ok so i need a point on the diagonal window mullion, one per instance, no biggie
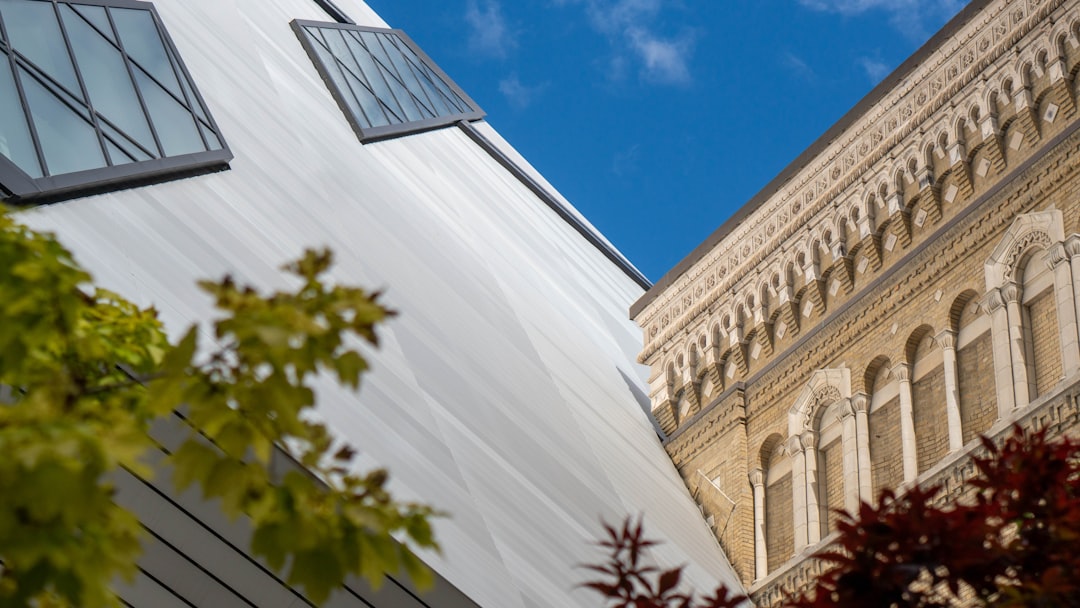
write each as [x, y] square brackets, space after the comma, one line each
[82, 85]
[39, 152]
[105, 120]
[401, 116]
[135, 85]
[422, 77]
[430, 107]
[186, 102]
[390, 75]
[343, 55]
[342, 69]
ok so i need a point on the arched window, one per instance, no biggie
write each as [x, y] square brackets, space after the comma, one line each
[974, 364]
[779, 517]
[928, 398]
[886, 451]
[1042, 341]
[830, 468]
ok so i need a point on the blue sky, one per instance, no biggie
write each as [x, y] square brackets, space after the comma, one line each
[659, 118]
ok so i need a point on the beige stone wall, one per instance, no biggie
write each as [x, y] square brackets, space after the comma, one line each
[832, 457]
[778, 529]
[931, 422]
[1045, 340]
[880, 289]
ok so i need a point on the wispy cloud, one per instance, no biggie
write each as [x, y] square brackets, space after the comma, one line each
[912, 18]
[630, 26]
[488, 33]
[519, 95]
[875, 69]
[798, 66]
[625, 162]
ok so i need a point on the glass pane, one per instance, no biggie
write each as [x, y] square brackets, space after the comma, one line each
[413, 62]
[174, 124]
[331, 68]
[195, 105]
[408, 78]
[142, 43]
[124, 142]
[392, 77]
[211, 138]
[401, 111]
[116, 155]
[372, 108]
[69, 143]
[95, 15]
[449, 96]
[107, 82]
[15, 141]
[35, 34]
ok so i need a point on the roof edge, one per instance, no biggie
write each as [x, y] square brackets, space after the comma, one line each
[820, 144]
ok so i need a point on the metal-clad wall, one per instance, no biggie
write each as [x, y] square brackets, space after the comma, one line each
[506, 393]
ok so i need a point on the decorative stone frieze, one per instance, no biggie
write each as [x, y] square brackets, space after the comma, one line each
[977, 65]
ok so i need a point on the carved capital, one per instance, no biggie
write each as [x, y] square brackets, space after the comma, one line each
[809, 440]
[1010, 292]
[1072, 245]
[947, 339]
[902, 371]
[993, 301]
[847, 409]
[757, 478]
[1057, 255]
[794, 445]
[860, 403]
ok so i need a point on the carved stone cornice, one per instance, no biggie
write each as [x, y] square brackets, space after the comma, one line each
[934, 93]
[915, 276]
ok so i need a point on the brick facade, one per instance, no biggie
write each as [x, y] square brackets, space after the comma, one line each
[884, 283]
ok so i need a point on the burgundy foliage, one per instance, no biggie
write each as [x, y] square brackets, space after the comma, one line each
[1015, 542]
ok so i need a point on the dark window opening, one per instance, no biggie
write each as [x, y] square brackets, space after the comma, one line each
[382, 81]
[93, 94]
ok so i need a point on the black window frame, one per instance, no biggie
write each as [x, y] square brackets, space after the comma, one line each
[371, 134]
[17, 187]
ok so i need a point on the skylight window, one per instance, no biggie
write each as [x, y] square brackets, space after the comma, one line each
[383, 82]
[93, 94]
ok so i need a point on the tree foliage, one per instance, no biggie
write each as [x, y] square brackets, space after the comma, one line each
[83, 375]
[1015, 542]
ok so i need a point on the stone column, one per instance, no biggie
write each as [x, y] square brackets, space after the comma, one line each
[1065, 298]
[1010, 292]
[947, 340]
[999, 335]
[1072, 249]
[861, 404]
[761, 556]
[850, 447]
[813, 505]
[908, 446]
[798, 491]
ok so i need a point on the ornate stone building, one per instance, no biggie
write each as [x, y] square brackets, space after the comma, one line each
[909, 282]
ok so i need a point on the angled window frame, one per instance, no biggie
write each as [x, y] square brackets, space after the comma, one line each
[377, 133]
[18, 187]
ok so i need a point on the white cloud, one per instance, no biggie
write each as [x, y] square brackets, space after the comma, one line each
[489, 34]
[875, 70]
[629, 27]
[663, 61]
[798, 66]
[517, 94]
[911, 17]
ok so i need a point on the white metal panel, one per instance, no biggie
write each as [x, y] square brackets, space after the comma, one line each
[506, 393]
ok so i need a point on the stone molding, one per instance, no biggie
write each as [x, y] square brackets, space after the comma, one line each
[925, 105]
[942, 251]
[1059, 411]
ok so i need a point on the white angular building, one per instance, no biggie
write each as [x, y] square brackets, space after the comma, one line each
[174, 141]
